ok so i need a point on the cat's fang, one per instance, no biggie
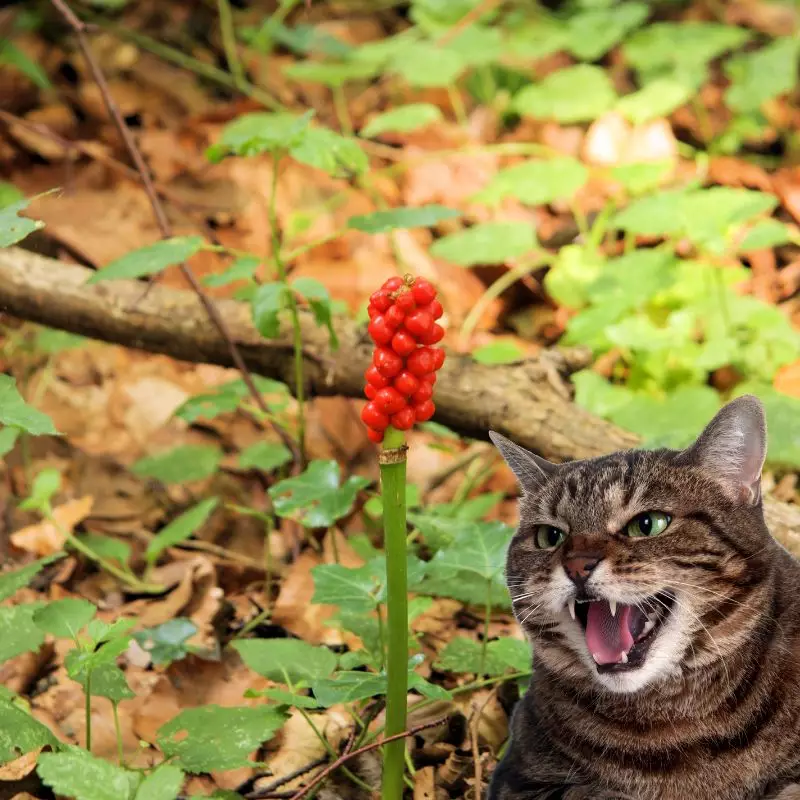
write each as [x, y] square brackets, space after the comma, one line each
[571, 605]
[648, 626]
[623, 658]
[612, 604]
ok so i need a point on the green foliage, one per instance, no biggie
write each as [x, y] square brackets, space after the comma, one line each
[230, 396]
[536, 182]
[18, 632]
[106, 547]
[267, 303]
[417, 217]
[15, 412]
[65, 618]
[13, 580]
[151, 259]
[180, 529]
[167, 642]
[462, 655]
[265, 456]
[319, 299]
[14, 228]
[77, 774]
[13, 55]
[242, 269]
[163, 783]
[402, 119]
[760, 75]
[486, 243]
[502, 352]
[20, 733]
[286, 660]
[191, 462]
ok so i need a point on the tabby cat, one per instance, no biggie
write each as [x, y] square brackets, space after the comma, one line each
[665, 623]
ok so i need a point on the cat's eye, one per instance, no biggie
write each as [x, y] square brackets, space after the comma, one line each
[548, 537]
[651, 523]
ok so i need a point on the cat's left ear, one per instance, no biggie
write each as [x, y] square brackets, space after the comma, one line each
[532, 471]
[733, 447]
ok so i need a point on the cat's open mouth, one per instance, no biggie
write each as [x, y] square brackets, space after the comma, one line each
[618, 636]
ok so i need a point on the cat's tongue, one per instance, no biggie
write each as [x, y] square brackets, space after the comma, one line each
[609, 638]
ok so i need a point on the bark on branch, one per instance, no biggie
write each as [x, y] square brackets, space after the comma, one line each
[529, 402]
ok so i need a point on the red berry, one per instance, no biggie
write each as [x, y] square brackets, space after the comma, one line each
[421, 361]
[429, 378]
[403, 343]
[375, 436]
[405, 300]
[393, 284]
[425, 392]
[394, 317]
[435, 309]
[387, 362]
[424, 411]
[373, 376]
[372, 311]
[438, 356]
[406, 383]
[379, 330]
[404, 420]
[373, 417]
[423, 292]
[433, 336]
[420, 323]
[389, 400]
[381, 300]
[370, 391]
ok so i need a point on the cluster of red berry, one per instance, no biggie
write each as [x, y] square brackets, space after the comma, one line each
[403, 314]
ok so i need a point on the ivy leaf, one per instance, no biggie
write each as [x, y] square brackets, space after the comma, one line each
[14, 228]
[20, 733]
[65, 618]
[316, 494]
[286, 660]
[150, 259]
[216, 738]
[402, 119]
[242, 269]
[396, 218]
[319, 299]
[576, 94]
[77, 774]
[758, 76]
[486, 243]
[18, 632]
[659, 98]
[13, 580]
[190, 462]
[167, 642]
[163, 783]
[180, 529]
[268, 301]
[14, 411]
[424, 65]
[536, 182]
[265, 456]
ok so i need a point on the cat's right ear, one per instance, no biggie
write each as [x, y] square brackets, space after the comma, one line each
[532, 471]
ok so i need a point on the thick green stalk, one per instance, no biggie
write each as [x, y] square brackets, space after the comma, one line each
[393, 488]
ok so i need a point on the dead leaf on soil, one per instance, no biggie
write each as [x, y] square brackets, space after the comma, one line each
[45, 537]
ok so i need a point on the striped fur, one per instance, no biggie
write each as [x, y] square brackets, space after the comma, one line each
[713, 713]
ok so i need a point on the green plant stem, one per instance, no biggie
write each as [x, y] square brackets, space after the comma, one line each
[381, 636]
[87, 690]
[342, 112]
[228, 33]
[393, 488]
[486, 620]
[297, 334]
[458, 105]
[118, 733]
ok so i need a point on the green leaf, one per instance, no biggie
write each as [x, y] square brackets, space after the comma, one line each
[575, 270]
[243, 269]
[229, 397]
[18, 632]
[190, 462]
[14, 228]
[268, 301]
[285, 698]
[261, 132]
[163, 783]
[462, 655]
[150, 259]
[20, 733]
[8, 438]
[167, 642]
[180, 529]
[467, 587]
[216, 738]
[13, 580]
[430, 690]
[483, 553]
[408, 217]
[79, 775]
[317, 495]
[65, 618]
[340, 156]
[536, 182]
[499, 352]
[265, 456]
[330, 74]
[11, 54]
[659, 98]
[642, 178]
[9, 194]
[319, 299]
[486, 243]
[764, 234]
[107, 679]
[761, 75]
[655, 215]
[45, 485]
[592, 33]
[515, 653]
[51, 341]
[14, 411]
[348, 687]
[574, 94]
[402, 119]
[424, 65]
[286, 660]
[478, 45]
[108, 548]
[99, 631]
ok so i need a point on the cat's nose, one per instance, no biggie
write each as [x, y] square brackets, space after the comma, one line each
[579, 567]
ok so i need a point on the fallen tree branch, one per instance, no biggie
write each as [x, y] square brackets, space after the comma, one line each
[528, 402]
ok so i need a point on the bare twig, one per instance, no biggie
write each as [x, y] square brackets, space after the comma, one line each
[79, 28]
[270, 789]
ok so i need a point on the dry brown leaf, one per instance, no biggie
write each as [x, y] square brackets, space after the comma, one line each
[45, 537]
[20, 767]
[787, 379]
[425, 784]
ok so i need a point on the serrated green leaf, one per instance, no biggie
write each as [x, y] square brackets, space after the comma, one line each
[348, 687]
[483, 552]
[408, 217]
[13, 580]
[20, 733]
[65, 618]
[261, 132]
[514, 653]
[14, 228]
[242, 269]
[163, 783]
[659, 98]
[575, 94]
[217, 738]
[99, 631]
[499, 352]
[354, 588]
[331, 73]
[265, 456]
[79, 775]
[593, 32]
[315, 496]
[167, 642]
[340, 156]
[761, 75]
[105, 679]
[486, 243]
[150, 259]
[655, 215]
[536, 182]
[764, 234]
[462, 655]
[190, 462]
[319, 299]
[286, 660]
[18, 632]
[106, 547]
[14, 411]
[267, 303]
[180, 529]
[402, 119]
[424, 65]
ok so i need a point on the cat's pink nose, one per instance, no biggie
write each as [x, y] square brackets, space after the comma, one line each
[579, 567]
